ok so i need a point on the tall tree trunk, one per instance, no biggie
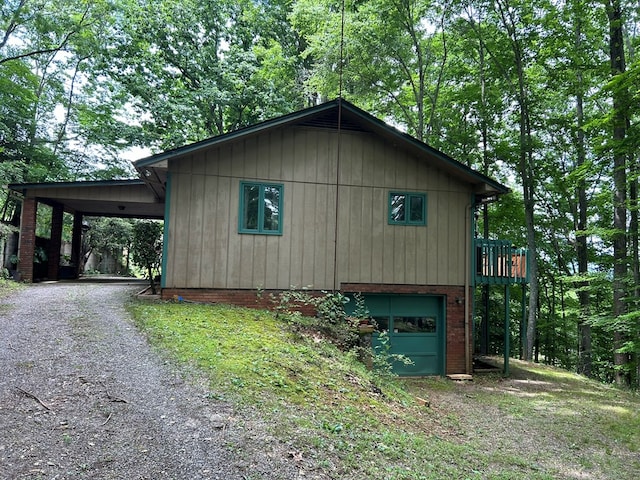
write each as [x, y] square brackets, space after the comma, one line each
[582, 252]
[635, 258]
[525, 166]
[616, 54]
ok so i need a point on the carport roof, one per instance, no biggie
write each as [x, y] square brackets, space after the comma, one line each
[109, 198]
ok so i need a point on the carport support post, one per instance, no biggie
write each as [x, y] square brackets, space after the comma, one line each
[55, 243]
[76, 243]
[27, 242]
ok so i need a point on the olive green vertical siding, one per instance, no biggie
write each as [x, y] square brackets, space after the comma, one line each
[206, 250]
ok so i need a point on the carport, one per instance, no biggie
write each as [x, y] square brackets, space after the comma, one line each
[136, 198]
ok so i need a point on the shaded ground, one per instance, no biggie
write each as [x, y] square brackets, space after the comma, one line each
[542, 419]
[82, 395]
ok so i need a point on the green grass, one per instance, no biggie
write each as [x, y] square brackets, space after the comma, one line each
[543, 423]
[9, 286]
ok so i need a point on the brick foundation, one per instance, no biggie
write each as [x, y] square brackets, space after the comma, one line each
[454, 298]
[242, 297]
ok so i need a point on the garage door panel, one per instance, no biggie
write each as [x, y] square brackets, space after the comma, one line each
[423, 364]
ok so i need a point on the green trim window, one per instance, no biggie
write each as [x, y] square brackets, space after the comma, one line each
[260, 208]
[407, 208]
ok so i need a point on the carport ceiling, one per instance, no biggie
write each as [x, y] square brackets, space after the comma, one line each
[113, 198]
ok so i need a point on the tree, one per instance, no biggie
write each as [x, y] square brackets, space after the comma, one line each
[194, 69]
[619, 121]
[110, 236]
[44, 83]
[384, 57]
[147, 248]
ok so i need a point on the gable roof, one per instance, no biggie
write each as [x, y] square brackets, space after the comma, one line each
[337, 114]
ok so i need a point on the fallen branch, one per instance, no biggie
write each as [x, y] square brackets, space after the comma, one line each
[31, 395]
[108, 418]
[113, 398]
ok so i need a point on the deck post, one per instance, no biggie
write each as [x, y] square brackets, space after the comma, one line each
[523, 322]
[507, 330]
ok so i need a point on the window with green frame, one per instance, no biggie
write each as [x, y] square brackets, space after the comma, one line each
[260, 208]
[407, 208]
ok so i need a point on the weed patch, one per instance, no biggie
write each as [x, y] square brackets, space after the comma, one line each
[9, 286]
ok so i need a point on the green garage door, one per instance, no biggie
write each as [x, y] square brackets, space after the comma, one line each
[415, 324]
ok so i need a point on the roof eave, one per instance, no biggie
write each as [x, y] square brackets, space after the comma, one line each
[19, 187]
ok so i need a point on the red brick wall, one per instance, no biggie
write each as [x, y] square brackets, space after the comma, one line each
[454, 295]
[242, 297]
[27, 242]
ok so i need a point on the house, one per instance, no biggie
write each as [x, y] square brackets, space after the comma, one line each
[328, 198]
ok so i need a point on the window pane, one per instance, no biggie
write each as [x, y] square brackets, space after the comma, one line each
[416, 213]
[397, 207]
[414, 325]
[251, 197]
[271, 208]
[382, 323]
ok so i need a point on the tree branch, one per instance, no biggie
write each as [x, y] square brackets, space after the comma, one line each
[13, 24]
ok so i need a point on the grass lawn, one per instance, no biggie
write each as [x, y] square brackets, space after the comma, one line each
[541, 423]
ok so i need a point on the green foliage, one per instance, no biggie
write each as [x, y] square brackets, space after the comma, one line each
[8, 286]
[212, 66]
[146, 248]
[342, 329]
[331, 317]
[383, 359]
[111, 236]
[6, 230]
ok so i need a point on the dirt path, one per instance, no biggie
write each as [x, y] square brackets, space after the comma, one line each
[82, 395]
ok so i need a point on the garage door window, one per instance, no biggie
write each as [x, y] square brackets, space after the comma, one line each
[406, 324]
[414, 325]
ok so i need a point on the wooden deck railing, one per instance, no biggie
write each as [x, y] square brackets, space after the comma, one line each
[497, 262]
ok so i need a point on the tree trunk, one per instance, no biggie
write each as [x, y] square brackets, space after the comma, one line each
[526, 173]
[634, 234]
[616, 52]
[582, 251]
[152, 280]
[525, 167]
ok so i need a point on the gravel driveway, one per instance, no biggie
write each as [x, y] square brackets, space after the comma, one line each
[82, 395]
